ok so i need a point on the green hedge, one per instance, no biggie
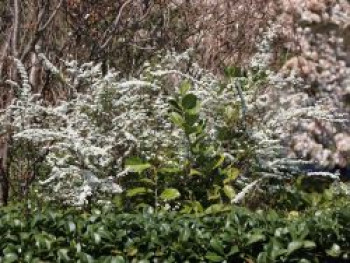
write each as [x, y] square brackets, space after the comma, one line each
[238, 236]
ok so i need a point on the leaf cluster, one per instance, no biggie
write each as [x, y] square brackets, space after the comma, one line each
[199, 179]
[240, 235]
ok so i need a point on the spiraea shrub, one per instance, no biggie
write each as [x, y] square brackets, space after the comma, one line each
[175, 135]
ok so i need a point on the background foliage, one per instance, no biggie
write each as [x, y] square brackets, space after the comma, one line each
[143, 125]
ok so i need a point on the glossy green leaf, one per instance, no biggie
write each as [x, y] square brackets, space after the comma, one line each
[334, 251]
[219, 161]
[189, 101]
[170, 194]
[117, 259]
[213, 257]
[170, 170]
[234, 250]
[132, 251]
[214, 194]
[194, 172]
[294, 245]
[138, 168]
[147, 181]
[255, 238]
[175, 105]
[229, 191]
[309, 244]
[185, 87]
[10, 257]
[137, 191]
[217, 245]
[177, 119]
[191, 119]
[232, 174]
[216, 208]
[97, 238]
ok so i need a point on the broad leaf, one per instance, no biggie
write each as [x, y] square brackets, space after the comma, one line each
[177, 119]
[218, 162]
[137, 191]
[217, 245]
[170, 170]
[189, 101]
[137, 165]
[232, 174]
[229, 191]
[255, 238]
[213, 257]
[334, 251]
[309, 244]
[293, 246]
[10, 257]
[170, 194]
[194, 172]
[185, 87]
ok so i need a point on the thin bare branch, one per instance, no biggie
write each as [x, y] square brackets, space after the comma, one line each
[16, 10]
[4, 52]
[114, 26]
[39, 30]
[52, 16]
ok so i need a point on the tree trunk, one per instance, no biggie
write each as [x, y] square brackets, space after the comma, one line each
[4, 182]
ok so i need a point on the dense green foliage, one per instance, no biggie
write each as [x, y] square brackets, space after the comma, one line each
[199, 178]
[240, 235]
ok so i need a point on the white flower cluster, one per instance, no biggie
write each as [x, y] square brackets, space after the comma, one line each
[108, 119]
[91, 134]
[264, 55]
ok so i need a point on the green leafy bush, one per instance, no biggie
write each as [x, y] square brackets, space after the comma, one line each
[240, 235]
[196, 179]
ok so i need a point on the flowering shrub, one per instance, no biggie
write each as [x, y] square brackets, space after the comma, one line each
[104, 121]
[216, 130]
